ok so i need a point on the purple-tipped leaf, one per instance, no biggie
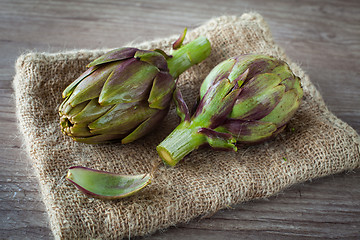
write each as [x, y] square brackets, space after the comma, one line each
[218, 101]
[285, 109]
[146, 126]
[219, 140]
[181, 107]
[225, 108]
[177, 44]
[259, 97]
[90, 87]
[72, 86]
[114, 55]
[162, 52]
[153, 58]
[130, 83]
[91, 112]
[218, 73]
[161, 91]
[249, 131]
[106, 185]
[122, 118]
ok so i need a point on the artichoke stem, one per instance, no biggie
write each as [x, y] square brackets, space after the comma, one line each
[184, 139]
[188, 55]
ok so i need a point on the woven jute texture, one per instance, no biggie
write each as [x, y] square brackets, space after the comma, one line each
[314, 144]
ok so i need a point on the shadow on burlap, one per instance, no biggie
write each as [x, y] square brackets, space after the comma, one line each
[314, 144]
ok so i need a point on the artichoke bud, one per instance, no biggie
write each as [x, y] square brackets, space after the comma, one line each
[248, 97]
[125, 93]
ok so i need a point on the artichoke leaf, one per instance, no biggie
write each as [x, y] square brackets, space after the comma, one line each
[91, 112]
[114, 55]
[219, 140]
[121, 118]
[259, 105]
[161, 91]
[69, 89]
[219, 72]
[145, 126]
[285, 109]
[90, 87]
[177, 44]
[106, 185]
[248, 131]
[130, 83]
[182, 109]
[153, 58]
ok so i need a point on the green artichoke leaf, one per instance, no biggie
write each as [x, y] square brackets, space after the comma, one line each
[248, 131]
[76, 110]
[122, 118]
[294, 83]
[153, 58]
[178, 43]
[90, 87]
[65, 107]
[284, 72]
[285, 109]
[258, 106]
[219, 140]
[238, 74]
[106, 185]
[114, 56]
[259, 96]
[257, 63]
[261, 83]
[219, 72]
[289, 79]
[161, 91]
[92, 111]
[145, 126]
[213, 101]
[130, 83]
[182, 109]
[80, 130]
[225, 107]
[162, 52]
[69, 89]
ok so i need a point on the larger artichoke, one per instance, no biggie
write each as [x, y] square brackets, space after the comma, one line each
[245, 99]
[125, 92]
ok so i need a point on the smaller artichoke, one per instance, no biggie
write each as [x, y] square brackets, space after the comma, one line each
[246, 99]
[125, 93]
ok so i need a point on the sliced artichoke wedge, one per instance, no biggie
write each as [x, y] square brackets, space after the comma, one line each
[106, 185]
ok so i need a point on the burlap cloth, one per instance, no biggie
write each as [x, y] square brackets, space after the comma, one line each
[315, 144]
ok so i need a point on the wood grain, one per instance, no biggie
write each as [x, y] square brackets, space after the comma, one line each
[322, 36]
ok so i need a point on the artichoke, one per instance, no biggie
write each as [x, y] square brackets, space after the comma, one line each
[126, 92]
[244, 100]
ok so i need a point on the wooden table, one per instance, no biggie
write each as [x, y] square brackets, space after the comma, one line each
[323, 36]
